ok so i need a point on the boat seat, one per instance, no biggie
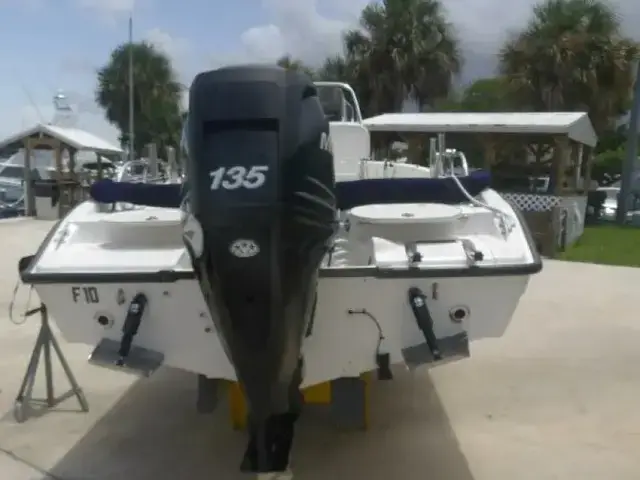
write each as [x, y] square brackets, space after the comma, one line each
[147, 217]
[406, 222]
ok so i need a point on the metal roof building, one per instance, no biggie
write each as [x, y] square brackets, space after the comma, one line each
[69, 137]
[575, 125]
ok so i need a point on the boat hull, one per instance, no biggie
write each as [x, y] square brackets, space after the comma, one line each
[342, 342]
[114, 256]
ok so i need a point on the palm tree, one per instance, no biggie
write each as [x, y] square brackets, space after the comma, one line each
[156, 101]
[290, 63]
[336, 69]
[402, 48]
[572, 56]
[339, 68]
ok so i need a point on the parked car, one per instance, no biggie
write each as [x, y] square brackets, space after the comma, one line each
[610, 204]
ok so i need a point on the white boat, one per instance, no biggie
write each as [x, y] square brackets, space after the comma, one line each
[139, 171]
[12, 182]
[396, 281]
[12, 173]
[43, 164]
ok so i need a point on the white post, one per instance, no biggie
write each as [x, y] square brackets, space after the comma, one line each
[442, 151]
[172, 166]
[153, 161]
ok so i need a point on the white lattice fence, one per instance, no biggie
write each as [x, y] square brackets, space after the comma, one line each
[531, 202]
[572, 215]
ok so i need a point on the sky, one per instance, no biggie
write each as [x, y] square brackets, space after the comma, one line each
[51, 45]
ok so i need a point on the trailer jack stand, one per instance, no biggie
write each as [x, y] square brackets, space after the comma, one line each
[24, 403]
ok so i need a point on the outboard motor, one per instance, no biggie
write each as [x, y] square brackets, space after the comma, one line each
[260, 186]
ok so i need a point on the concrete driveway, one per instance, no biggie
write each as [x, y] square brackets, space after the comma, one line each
[557, 398]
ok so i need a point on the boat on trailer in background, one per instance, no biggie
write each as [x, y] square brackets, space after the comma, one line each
[408, 264]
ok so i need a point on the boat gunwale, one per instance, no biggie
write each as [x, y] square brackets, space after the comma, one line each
[28, 276]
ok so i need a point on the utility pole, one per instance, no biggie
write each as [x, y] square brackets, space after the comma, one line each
[132, 154]
[631, 158]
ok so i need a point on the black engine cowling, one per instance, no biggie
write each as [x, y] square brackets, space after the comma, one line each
[260, 183]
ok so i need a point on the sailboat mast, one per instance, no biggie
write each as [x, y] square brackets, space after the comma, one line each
[132, 154]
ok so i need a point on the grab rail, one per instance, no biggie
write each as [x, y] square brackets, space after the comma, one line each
[438, 154]
[442, 160]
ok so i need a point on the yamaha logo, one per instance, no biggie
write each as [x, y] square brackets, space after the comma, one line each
[243, 248]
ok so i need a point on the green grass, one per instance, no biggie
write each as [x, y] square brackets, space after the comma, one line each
[607, 245]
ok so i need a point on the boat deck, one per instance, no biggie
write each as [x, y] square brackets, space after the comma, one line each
[556, 398]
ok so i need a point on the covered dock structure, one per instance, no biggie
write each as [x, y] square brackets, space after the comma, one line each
[58, 139]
